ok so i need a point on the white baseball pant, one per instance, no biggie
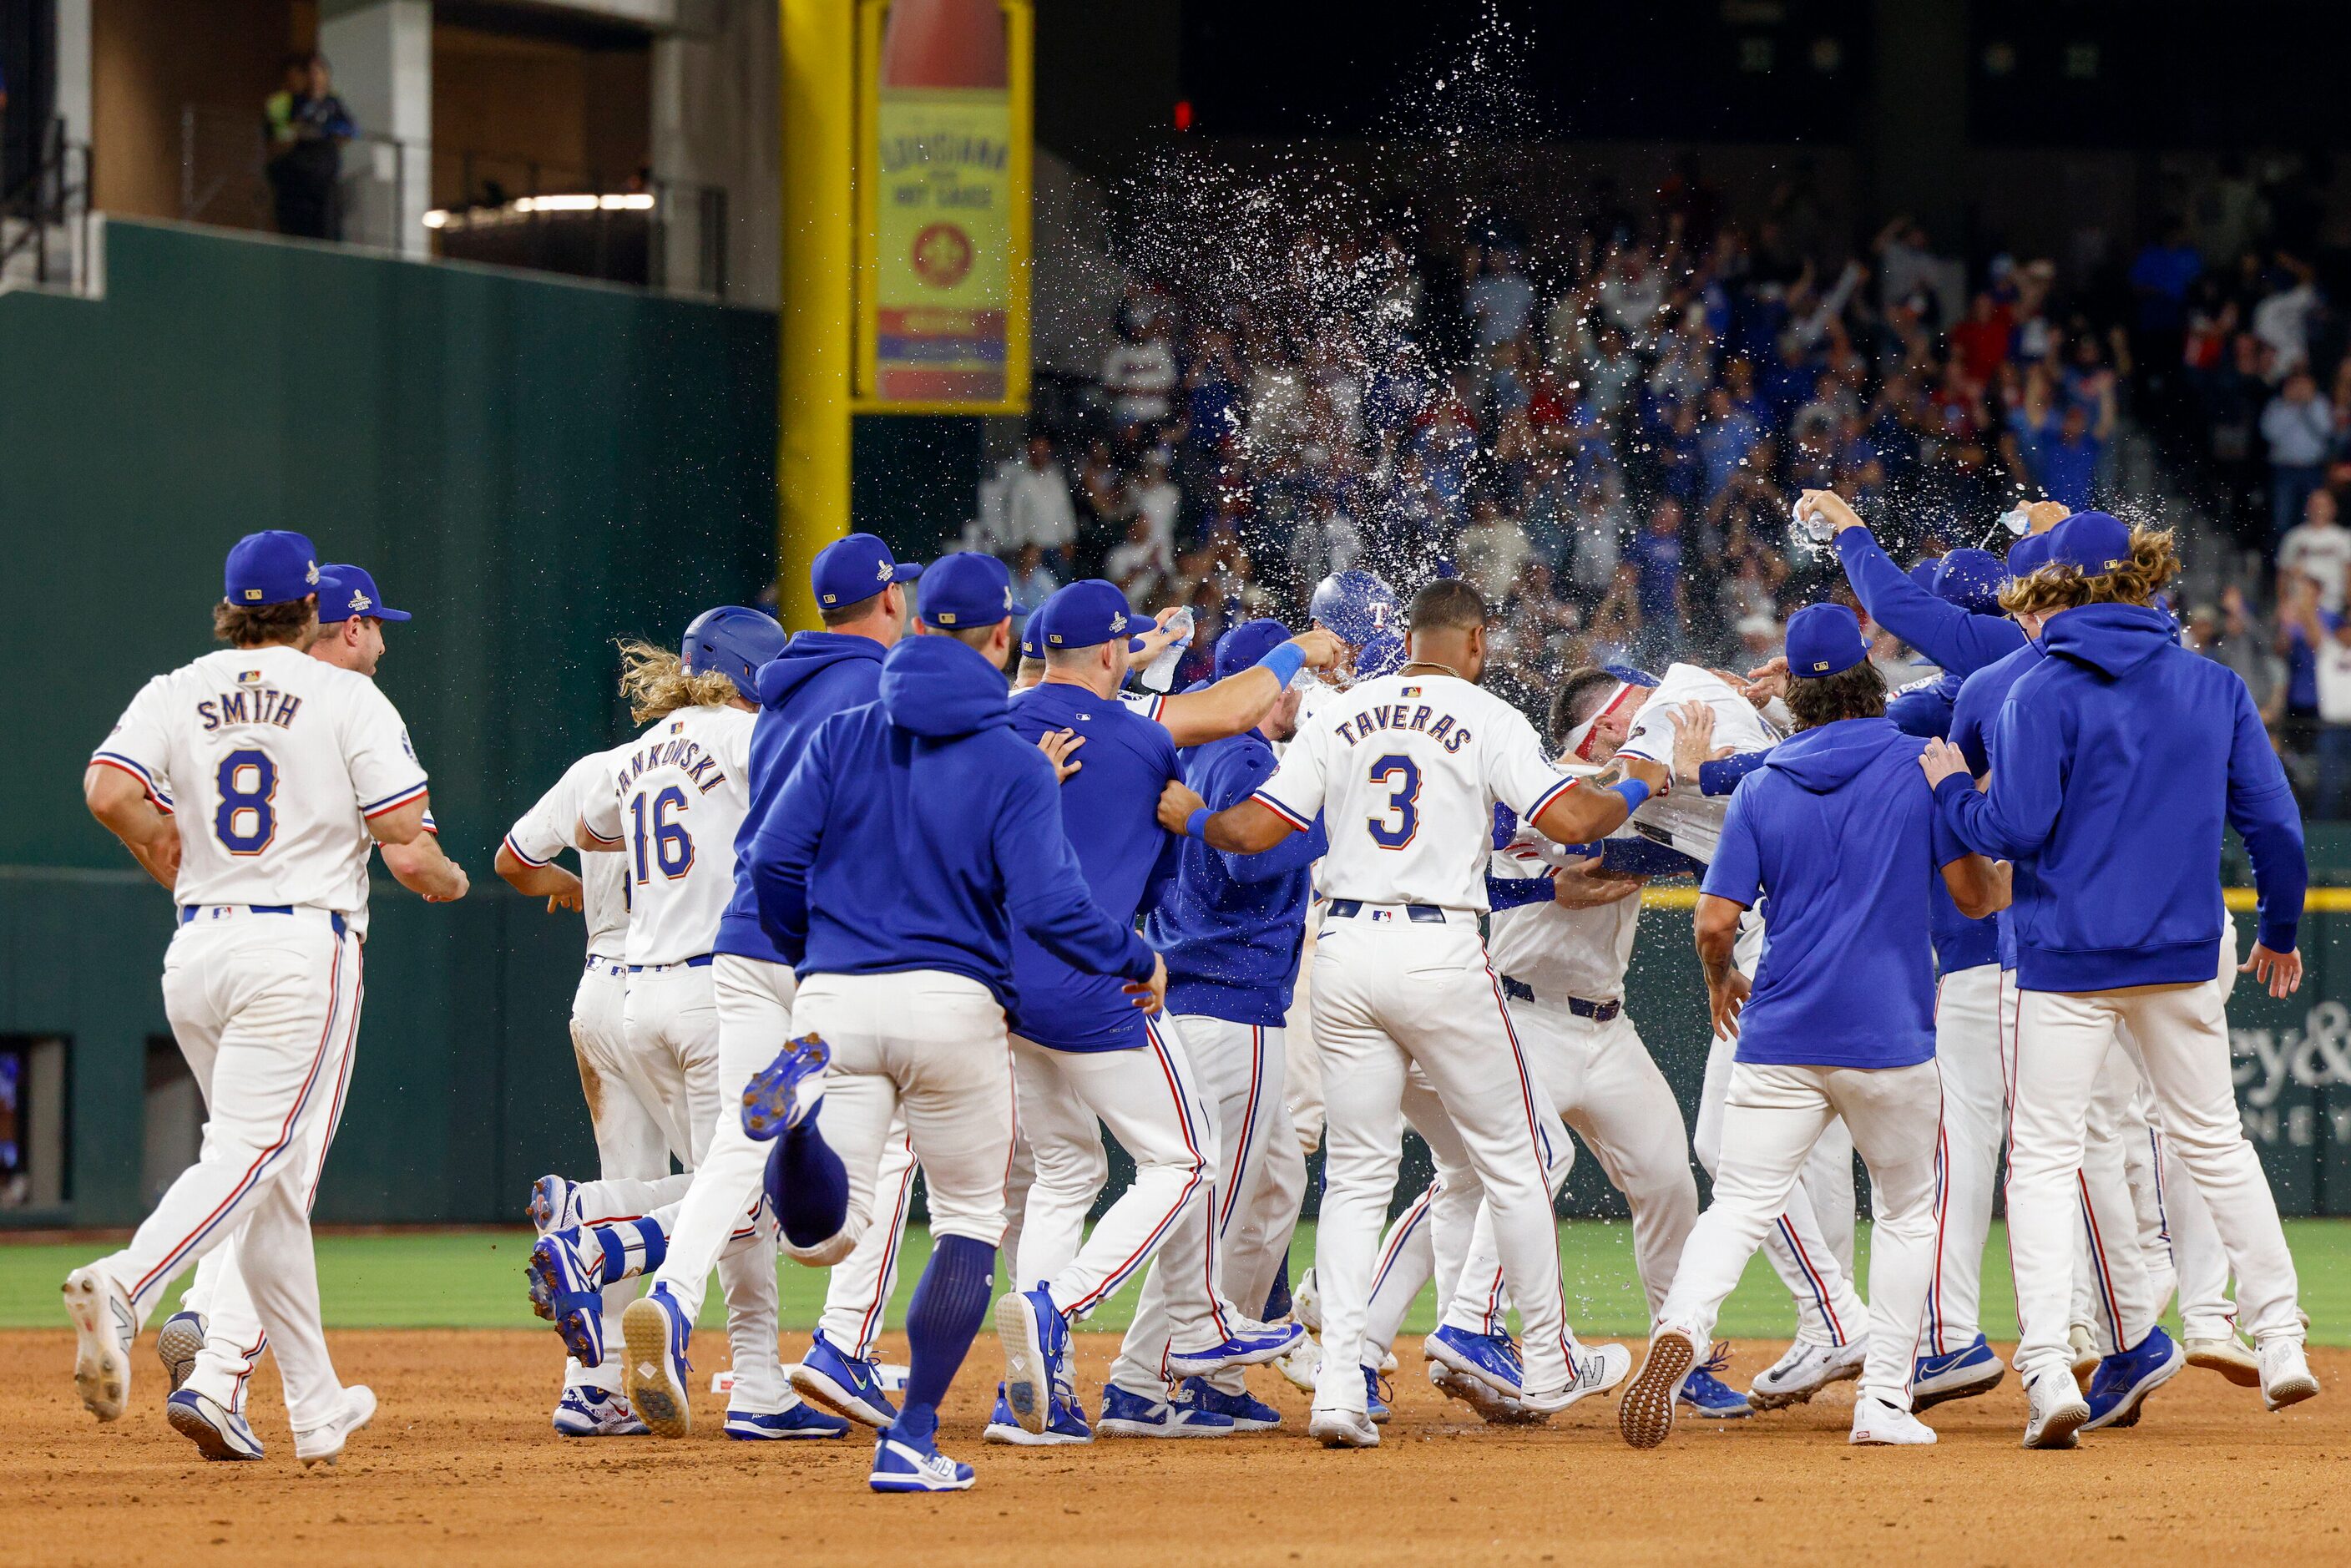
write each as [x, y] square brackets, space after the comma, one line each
[1772, 1117]
[1247, 1218]
[1393, 993]
[1148, 1100]
[1969, 1036]
[676, 1035]
[1431, 1239]
[2179, 1035]
[2113, 1288]
[931, 1046]
[1301, 1067]
[265, 1009]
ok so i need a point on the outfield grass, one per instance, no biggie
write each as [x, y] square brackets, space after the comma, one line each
[473, 1279]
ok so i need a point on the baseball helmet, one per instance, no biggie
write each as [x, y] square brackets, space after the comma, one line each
[735, 642]
[1356, 606]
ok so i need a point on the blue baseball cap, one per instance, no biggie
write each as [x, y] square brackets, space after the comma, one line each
[1923, 574]
[2028, 555]
[856, 568]
[272, 567]
[1030, 647]
[1823, 640]
[2093, 543]
[345, 592]
[1972, 579]
[1240, 648]
[967, 590]
[1084, 614]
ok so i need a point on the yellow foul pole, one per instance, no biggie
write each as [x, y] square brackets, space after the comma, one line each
[820, 120]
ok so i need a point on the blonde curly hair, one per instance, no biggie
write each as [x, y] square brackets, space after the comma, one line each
[657, 683]
[2154, 562]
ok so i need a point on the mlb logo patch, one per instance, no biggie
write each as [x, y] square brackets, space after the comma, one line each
[1412, 690]
[245, 678]
[677, 726]
[1379, 914]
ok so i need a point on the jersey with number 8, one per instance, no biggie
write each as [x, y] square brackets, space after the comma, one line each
[273, 762]
[1407, 770]
[679, 793]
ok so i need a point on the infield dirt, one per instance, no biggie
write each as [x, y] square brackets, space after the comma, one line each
[461, 1467]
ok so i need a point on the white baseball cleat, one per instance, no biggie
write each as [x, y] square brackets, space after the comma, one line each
[1598, 1369]
[1335, 1428]
[1804, 1370]
[217, 1434]
[323, 1444]
[2228, 1355]
[1876, 1423]
[1644, 1417]
[2082, 1340]
[2055, 1411]
[1306, 1303]
[2286, 1377]
[104, 1325]
[1492, 1406]
[1301, 1363]
[178, 1345]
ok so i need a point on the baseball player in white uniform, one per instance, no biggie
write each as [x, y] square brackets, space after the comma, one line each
[216, 1329]
[1612, 713]
[1407, 774]
[255, 780]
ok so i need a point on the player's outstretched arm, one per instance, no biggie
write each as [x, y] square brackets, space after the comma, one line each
[1247, 828]
[424, 868]
[1242, 699]
[123, 806]
[550, 882]
[2263, 810]
[1588, 812]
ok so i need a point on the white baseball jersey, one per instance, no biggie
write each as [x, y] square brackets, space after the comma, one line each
[1407, 771]
[545, 832]
[271, 762]
[1555, 951]
[678, 793]
[1685, 818]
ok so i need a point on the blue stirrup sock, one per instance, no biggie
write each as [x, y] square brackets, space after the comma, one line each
[806, 1185]
[949, 1305]
[626, 1248]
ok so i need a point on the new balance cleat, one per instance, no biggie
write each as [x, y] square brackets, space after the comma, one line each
[1246, 1413]
[2124, 1380]
[1961, 1374]
[1036, 1342]
[104, 1325]
[800, 1421]
[842, 1384]
[2055, 1411]
[178, 1345]
[904, 1464]
[2285, 1374]
[218, 1433]
[1595, 1369]
[656, 1334]
[1707, 1397]
[1068, 1425]
[1644, 1417]
[1804, 1369]
[1249, 1344]
[782, 1095]
[1126, 1414]
[596, 1413]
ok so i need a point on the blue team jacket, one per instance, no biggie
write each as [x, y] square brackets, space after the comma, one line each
[917, 831]
[1230, 925]
[817, 674]
[1924, 709]
[1961, 640]
[1110, 808]
[2117, 759]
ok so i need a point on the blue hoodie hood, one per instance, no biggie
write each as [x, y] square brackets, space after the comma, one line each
[808, 655]
[936, 686]
[1835, 754]
[2112, 639]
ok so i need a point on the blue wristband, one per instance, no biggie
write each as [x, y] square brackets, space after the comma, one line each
[1196, 826]
[1285, 659]
[1635, 793]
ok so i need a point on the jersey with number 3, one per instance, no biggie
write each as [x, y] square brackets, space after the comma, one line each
[272, 763]
[679, 792]
[1407, 770]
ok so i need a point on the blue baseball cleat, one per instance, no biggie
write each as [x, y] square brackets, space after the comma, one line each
[178, 1345]
[217, 1434]
[800, 1421]
[908, 1464]
[776, 1097]
[2119, 1388]
[554, 1204]
[1708, 1395]
[1249, 1344]
[571, 1293]
[1491, 1358]
[1375, 1405]
[842, 1384]
[1068, 1425]
[1247, 1412]
[1961, 1374]
[596, 1413]
[1126, 1414]
[656, 1334]
[1036, 1342]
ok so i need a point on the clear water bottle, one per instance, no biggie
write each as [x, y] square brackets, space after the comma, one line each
[1160, 674]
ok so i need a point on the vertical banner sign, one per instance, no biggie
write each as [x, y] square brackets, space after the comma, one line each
[944, 186]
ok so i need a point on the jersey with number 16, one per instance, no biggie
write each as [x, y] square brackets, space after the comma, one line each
[679, 792]
[272, 762]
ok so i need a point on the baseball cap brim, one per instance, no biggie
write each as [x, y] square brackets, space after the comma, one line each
[386, 612]
[1136, 644]
[906, 572]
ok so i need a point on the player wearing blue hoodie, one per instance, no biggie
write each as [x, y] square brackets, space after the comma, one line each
[2116, 730]
[914, 835]
[1840, 1021]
